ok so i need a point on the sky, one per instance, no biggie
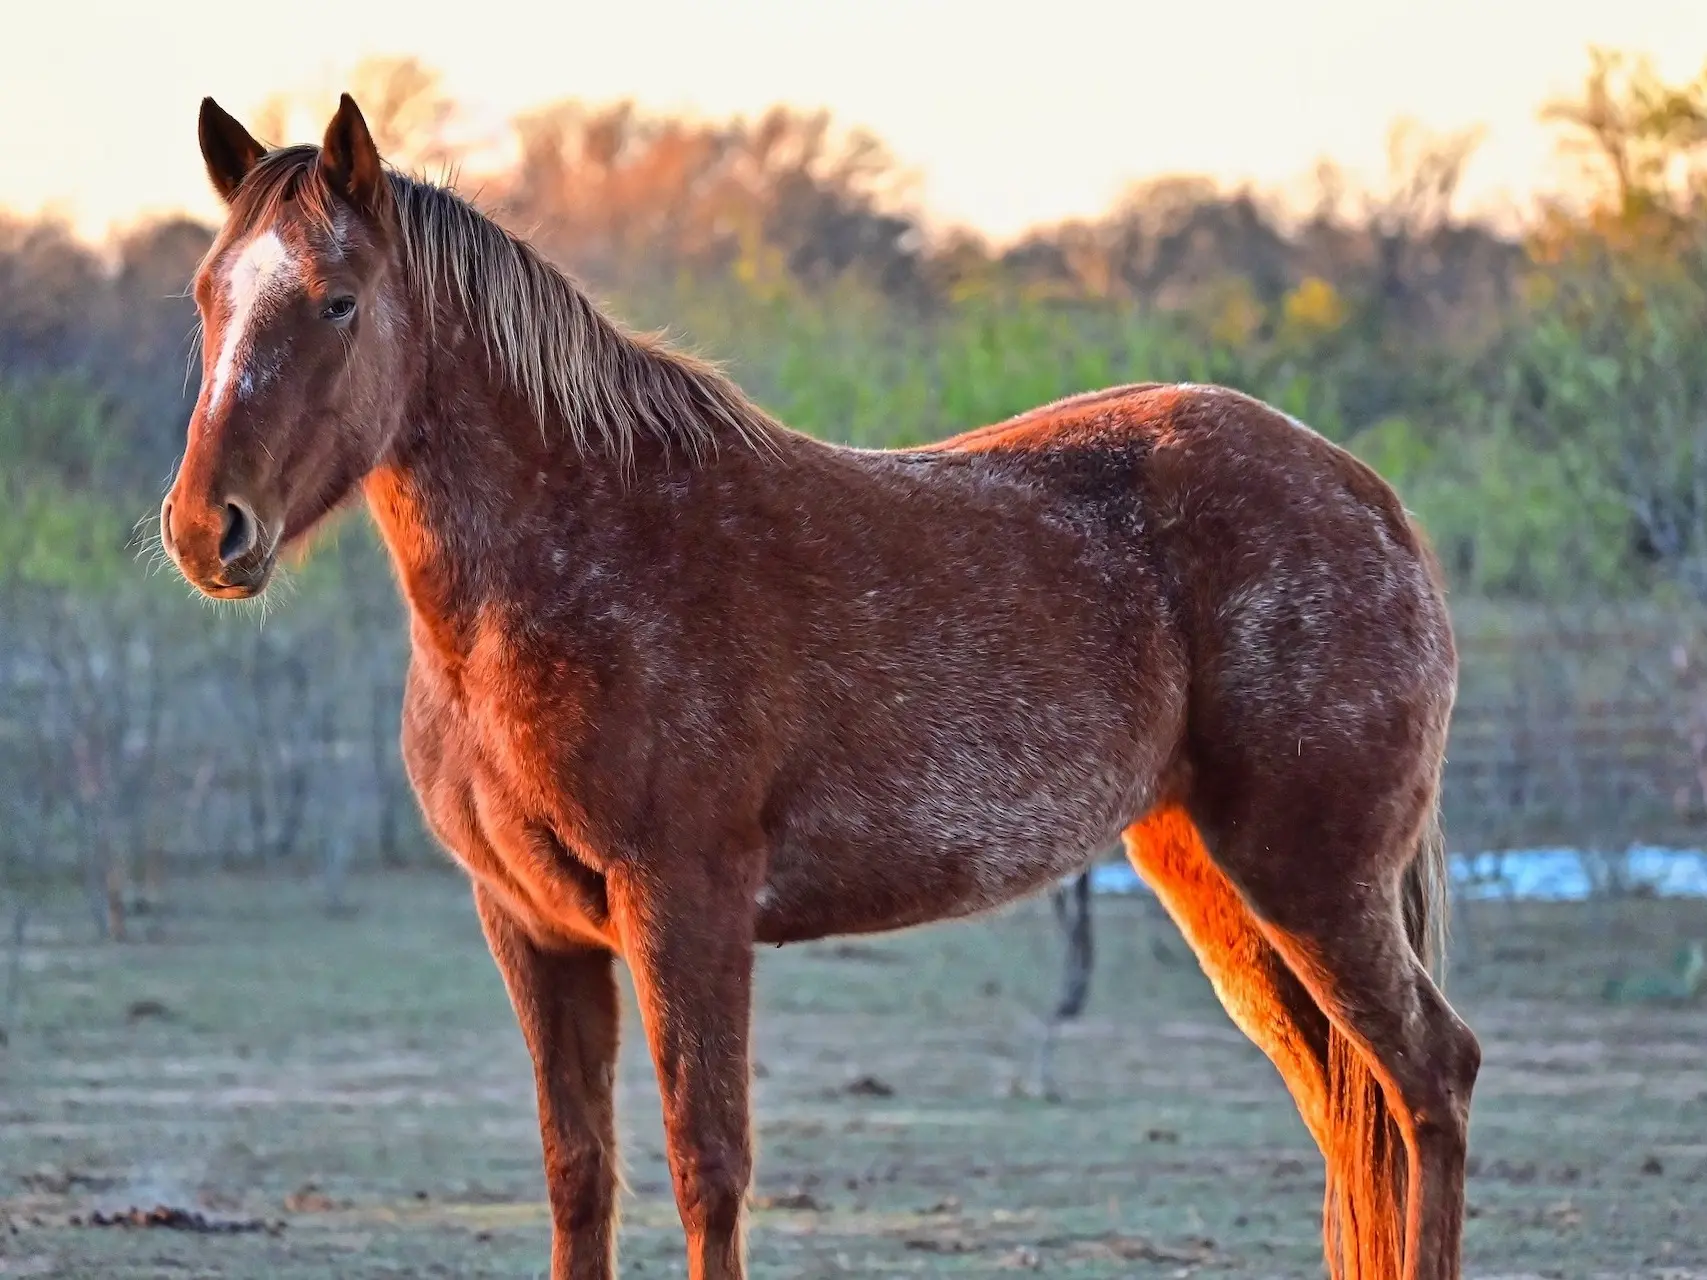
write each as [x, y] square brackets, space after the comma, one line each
[1008, 114]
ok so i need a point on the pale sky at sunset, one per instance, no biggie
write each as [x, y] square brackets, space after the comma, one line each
[1010, 113]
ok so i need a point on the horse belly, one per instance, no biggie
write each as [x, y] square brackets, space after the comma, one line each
[889, 851]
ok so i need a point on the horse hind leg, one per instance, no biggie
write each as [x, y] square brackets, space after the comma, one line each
[1399, 1057]
[1269, 1003]
[1260, 993]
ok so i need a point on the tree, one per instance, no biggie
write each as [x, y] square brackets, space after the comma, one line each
[1641, 143]
[1609, 376]
[407, 108]
[619, 194]
[1610, 372]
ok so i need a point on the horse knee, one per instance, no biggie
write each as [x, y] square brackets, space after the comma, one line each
[580, 1180]
[710, 1190]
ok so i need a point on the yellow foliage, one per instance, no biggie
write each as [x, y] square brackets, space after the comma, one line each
[1538, 290]
[1238, 318]
[1315, 306]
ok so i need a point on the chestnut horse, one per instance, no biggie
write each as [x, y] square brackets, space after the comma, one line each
[684, 681]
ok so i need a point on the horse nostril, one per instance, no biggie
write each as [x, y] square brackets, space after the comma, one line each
[166, 526]
[240, 533]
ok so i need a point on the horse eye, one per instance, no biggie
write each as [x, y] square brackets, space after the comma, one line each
[338, 309]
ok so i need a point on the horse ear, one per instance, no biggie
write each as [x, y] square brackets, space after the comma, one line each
[350, 161]
[227, 149]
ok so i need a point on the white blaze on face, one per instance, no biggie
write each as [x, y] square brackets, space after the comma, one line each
[260, 274]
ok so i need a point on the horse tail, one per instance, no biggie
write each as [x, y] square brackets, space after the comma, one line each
[1427, 895]
[1367, 1161]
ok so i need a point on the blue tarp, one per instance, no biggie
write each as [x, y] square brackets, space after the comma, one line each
[1546, 875]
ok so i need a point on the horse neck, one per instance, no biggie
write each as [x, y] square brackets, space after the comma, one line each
[482, 506]
[456, 497]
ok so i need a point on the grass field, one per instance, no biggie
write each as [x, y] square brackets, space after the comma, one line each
[356, 1084]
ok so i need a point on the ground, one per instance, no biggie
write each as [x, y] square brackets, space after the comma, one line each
[354, 1085]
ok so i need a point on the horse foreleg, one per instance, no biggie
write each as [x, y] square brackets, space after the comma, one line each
[689, 946]
[567, 1005]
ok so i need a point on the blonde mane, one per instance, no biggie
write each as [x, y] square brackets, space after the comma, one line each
[542, 334]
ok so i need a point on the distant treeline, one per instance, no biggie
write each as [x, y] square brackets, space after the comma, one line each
[1541, 401]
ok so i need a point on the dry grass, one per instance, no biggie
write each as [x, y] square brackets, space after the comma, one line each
[358, 1080]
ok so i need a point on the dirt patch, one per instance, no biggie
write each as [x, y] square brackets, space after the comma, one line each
[169, 1218]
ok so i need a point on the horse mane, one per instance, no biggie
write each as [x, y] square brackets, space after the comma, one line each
[610, 386]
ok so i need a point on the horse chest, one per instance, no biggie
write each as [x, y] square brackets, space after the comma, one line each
[477, 804]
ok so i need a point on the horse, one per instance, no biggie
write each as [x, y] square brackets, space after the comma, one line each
[684, 682]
